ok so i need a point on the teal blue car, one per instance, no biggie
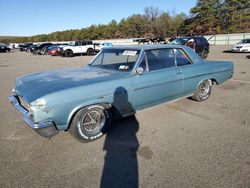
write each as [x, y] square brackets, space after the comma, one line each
[118, 82]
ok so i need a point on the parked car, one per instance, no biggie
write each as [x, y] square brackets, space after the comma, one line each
[79, 47]
[41, 49]
[24, 47]
[4, 48]
[201, 44]
[99, 46]
[242, 46]
[31, 48]
[118, 82]
[54, 49]
[152, 40]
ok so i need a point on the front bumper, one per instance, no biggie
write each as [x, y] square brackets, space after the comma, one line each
[45, 129]
[240, 49]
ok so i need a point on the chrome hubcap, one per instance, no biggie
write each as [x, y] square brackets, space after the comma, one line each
[204, 88]
[93, 120]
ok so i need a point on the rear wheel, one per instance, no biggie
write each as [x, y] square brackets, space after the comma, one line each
[90, 51]
[68, 53]
[204, 54]
[203, 91]
[91, 122]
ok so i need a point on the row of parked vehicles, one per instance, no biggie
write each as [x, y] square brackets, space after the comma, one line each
[64, 49]
[198, 43]
[69, 49]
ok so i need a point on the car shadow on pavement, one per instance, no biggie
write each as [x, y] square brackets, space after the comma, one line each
[120, 165]
[121, 145]
[228, 51]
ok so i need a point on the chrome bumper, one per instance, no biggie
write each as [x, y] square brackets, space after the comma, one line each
[45, 129]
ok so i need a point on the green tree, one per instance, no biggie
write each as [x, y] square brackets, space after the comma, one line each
[235, 16]
[206, 17]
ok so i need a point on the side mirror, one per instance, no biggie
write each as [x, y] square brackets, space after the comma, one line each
[139, 71]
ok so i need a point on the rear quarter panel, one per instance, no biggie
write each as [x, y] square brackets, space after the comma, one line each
[196, 73]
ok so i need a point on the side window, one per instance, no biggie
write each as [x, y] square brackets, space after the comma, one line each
[77, 44]
[83, 43]
[181, 58]
[160, 59]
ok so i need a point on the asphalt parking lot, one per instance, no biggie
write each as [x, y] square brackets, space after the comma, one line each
[181, 144]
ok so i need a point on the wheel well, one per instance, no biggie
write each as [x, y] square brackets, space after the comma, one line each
[68, 50]
[89, 49]
[73, 115]
[214, 81]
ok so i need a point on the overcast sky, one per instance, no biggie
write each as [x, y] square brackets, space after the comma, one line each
[31, 17]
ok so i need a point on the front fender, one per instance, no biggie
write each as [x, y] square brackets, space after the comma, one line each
[73, 112]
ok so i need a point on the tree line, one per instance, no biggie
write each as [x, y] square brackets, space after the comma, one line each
[218, 17]
[206, 17]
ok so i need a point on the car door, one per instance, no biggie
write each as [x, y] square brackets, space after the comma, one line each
[160, 81]
[77, 47]
[84, 46]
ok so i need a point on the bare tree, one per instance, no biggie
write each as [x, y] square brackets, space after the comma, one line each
[152, 13]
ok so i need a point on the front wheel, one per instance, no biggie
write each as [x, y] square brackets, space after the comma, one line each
[203, 91]
[91, 122]
[68, 53]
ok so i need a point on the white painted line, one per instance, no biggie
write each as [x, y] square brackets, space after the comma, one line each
[241, 81]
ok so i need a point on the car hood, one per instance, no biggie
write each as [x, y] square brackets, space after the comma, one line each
[34, 86]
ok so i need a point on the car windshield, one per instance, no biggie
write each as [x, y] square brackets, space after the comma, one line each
[179, 41]
[244, 41]
[116, 59]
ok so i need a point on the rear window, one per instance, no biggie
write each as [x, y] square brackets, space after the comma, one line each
[198, 41]
[204, 41]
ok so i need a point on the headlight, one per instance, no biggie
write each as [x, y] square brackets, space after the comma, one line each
[38, 103]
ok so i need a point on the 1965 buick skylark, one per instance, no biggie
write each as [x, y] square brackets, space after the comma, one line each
[118, 82]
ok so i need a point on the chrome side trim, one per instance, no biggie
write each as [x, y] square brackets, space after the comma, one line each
[207, 74]
[153, 85]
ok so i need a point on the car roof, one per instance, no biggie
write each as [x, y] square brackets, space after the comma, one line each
[147, 47]
[190, 37]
